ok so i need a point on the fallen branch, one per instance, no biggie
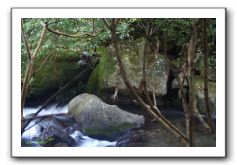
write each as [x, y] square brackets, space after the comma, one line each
[27, 121]
[44, 116]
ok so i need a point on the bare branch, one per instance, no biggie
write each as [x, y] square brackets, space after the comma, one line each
[93, 25]
[29, 71]
[106, 22]
[116, 21]
[154, 97]
[28, 51]
[44, 116]
[143, 26]
[40, 42]
[68, 35]
[153, 111]
[206, 91]
[153, 31]
[52, 97]
[41, 65]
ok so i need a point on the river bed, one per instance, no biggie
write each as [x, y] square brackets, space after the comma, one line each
[157, 135]
[54, 110]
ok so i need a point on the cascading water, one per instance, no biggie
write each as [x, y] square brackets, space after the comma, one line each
[32, 132]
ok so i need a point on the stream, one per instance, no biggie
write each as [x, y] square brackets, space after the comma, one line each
[53, 109]
[158, 135]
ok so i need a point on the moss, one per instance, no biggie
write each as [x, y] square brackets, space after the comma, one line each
[199, 84]
[106, 75]
[102, 70]
[109, 133]
[107, 66]
[176, 62]
[50, 77]
[200, 95]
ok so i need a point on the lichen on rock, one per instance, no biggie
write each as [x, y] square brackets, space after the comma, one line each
[100, 120]
[107, 74]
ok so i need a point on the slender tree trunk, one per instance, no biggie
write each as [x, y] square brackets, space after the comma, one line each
[30, 64]
[144, 74]
[25, 85]
[205, 52]
[185, 105]
[165, 43]
[27, 121]
[157, 115]
[191, 65]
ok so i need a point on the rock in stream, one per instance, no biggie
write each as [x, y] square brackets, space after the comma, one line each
[100, 120]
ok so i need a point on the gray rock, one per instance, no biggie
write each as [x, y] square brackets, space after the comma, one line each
[61, 144]
[107, 75]
[199, 94]
[51, 136]
[100, 120]
[135, 139]
[201, 104]
[175, 84]
[55, 130]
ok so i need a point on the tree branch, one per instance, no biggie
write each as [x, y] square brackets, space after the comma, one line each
[106, 22]
[41, 65]
[29, 69]
[205, 52]
[28, 51]
[116, 21]
[157, 115]
[52, 97]
[40, 41]
[67, 35]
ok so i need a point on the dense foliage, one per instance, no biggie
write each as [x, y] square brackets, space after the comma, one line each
[171, 33]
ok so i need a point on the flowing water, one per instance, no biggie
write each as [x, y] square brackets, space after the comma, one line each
[53, 110]
[159, 135]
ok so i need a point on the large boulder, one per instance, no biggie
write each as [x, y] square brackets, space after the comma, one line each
[107, 75]
[100, 120]
[54, 75]
[199, 93]
[201, 104]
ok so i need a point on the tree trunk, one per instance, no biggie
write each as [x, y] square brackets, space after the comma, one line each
[30, 64]
[157, 115]
[191, 65]
[27, 121]
[205, 52]
[25, 85]
[185, 105]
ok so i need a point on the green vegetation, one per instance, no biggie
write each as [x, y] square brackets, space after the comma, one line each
[109, 131]
[139, 56]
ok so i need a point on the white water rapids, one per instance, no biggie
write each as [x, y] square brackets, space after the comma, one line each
[85, 142]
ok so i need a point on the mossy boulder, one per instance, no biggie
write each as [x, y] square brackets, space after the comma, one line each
[50, 77]
[100, 120]
[199, 93]
[107, 75]
[53, 76]
[201, 105]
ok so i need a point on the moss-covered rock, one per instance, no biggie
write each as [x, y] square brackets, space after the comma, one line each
[50, 77]
[201, 105]
[199, 93]
[100, 120]
[107, 75]
[53, 76]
